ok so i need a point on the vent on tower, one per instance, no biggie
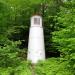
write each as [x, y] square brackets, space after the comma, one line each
[37, 21]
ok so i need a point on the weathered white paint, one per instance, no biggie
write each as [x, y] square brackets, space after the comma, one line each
[36, 47]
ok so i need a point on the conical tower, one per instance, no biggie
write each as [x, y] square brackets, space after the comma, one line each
[36, 47]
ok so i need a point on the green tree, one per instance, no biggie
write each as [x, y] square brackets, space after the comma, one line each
[65, 38]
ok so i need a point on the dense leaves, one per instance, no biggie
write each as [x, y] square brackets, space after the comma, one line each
[59, 30]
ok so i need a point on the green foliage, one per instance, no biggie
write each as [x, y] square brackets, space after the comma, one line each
[54, 66]
[21, 69]
[65, 37]
[8, 54]
[59, 28]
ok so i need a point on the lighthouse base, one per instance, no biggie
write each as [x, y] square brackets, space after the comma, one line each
[36, 47]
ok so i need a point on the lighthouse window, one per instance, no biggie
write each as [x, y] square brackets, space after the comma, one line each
[36, 20]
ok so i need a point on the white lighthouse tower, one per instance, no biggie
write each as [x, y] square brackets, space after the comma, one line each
[36, 47]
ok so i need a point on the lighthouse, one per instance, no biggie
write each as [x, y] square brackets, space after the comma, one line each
[36, 46]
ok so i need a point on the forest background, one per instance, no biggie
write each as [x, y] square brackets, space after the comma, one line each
[59, 30]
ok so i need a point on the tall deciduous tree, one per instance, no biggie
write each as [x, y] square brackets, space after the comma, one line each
[65, 37]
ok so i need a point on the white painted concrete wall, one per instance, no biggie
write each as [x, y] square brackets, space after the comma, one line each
[36, 47]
